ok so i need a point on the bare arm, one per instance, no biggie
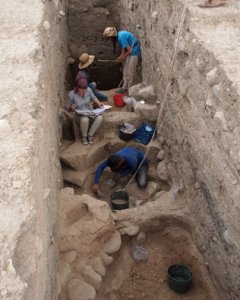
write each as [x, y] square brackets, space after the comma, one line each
[124, 54]
[99, 104]
[70, 105]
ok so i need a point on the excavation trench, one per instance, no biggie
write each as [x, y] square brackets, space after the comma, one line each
[169, 218]
[60, 241]
[95, 243]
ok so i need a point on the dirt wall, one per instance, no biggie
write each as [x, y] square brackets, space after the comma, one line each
[201, 118]
[33, 39]
[86, 22]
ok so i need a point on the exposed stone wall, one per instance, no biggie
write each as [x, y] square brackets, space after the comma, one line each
[33, 40]
[201, 119]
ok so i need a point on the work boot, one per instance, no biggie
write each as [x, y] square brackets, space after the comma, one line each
[90, 139]
[84, 141]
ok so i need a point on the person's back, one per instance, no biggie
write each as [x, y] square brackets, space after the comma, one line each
[133, 157]
[125, 39]
[126, 161]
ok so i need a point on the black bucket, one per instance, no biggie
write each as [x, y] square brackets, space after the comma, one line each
[125, 136]
[119, 200]
[179, 278]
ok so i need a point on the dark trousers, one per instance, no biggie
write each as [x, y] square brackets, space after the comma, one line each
[141, 176]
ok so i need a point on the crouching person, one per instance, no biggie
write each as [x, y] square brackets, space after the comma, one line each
[81, 100]
[125, 162]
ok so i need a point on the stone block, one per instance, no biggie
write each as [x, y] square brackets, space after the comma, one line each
[134, 91]
[146, 111]
[147, 92]
[162, 171]
[106, 259]
[212, 76]
[64, 273]
[78, 289]
[221, 117]
[161, 154]
[159, 194]
[98, 266]
[155, 15]
[140, 238]
[75, 177]
[84, 159]
[152, 174]
[114, 244]
[145, 193]
[130, 230]
[91, 276]
[69, 256]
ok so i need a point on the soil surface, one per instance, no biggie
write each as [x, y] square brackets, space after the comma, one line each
[147, 280]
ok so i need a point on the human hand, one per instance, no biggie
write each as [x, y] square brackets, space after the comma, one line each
[99, 104]
[95, 188]
[73, 106]
[120, 59]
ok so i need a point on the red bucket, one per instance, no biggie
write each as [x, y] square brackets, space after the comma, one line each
[118, 100]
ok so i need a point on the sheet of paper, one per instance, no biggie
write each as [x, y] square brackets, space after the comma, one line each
[99, 110]
[96, 111]
[107, 106]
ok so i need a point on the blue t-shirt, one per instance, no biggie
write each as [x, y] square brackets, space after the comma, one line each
[127, 39]
[132, 159]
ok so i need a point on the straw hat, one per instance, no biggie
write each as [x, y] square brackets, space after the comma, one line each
[85, 60]
[110, 32]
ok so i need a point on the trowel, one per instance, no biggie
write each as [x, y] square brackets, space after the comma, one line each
[100, 194]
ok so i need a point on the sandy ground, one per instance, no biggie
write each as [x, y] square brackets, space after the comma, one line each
[147, 280]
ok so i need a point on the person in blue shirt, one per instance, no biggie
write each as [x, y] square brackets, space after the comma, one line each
[125, 162]
[130, 51]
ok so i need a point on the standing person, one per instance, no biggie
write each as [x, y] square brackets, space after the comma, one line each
[85, 60]
[130, 51]
[81, 99]
[125, 162]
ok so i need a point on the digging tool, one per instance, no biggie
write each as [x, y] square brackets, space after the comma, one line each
[108, 61]
[100, 194]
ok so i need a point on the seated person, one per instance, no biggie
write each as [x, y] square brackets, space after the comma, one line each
[81, 98]
[85, 61]
[125, 162]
